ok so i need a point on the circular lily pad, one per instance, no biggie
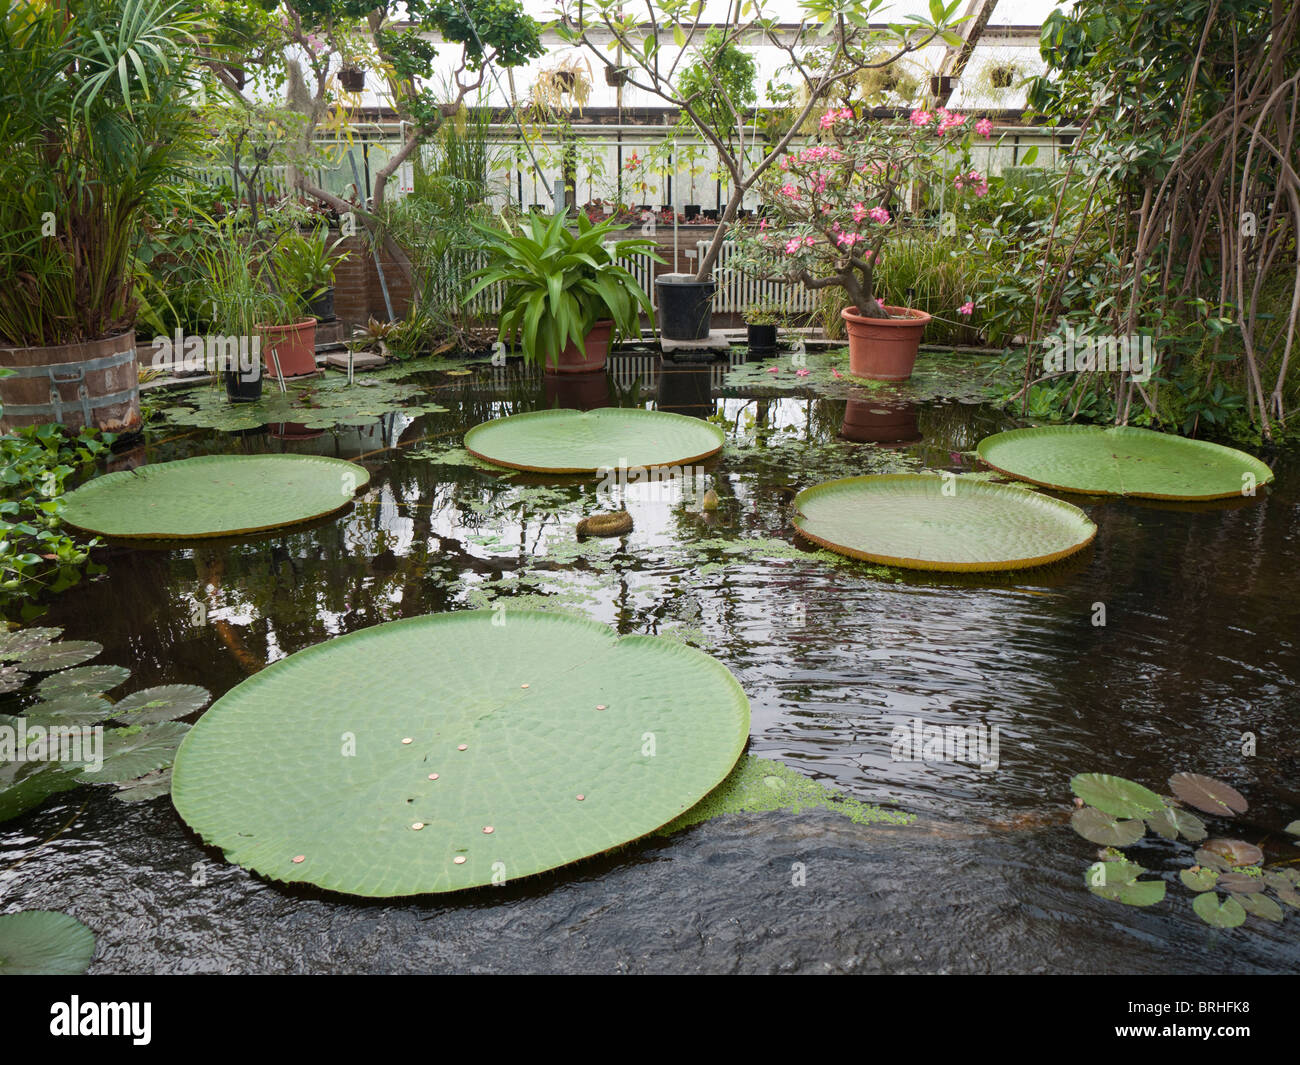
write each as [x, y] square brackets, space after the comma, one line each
[1122, 461]
[1207, 794]
[213, 495]
[44, 943]
[375, 764]
[572, 441]
[920, 521]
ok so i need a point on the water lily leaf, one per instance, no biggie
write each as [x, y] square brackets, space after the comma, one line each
[1199, 879]
[1289, 895]
[149, 786]
[1115, 795]
[11, 679]
[130, 753]
[44, 943]
[1206, 793]
[60, 655]
[163, 703]
[1227, 913]
[77, 709]
[918, 522]
[213, 495]
[1118, 882]
[1261, 906]
[378, 758]
[1235, 851]
[1171, 822]
[1239, 883]
[84, 680]
[1293, 828]
[571, 441]
[1212, 861]
[13, 645]
[1121, 460]
[1107, 831]
[25, 785]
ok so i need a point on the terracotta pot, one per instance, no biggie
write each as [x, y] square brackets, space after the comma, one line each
[576, 391]
[867, 421]
[597, 344]
[884, 349]
[292, 346]
[95, 384]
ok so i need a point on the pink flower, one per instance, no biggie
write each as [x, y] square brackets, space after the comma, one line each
[879, 214]
[791, 191]
[773, 369]
[829, 119]
[847, 240]
[802, 373]
[810, 241]
[859, 212]
[793, 245]
[762, 223]
[950, 120]
[984, 127]
[835, 373]
[921, 117]
[967, 308]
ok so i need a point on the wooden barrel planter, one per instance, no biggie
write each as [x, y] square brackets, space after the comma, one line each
[96, 384]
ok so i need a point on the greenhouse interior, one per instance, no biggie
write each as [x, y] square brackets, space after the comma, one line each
[906, 394]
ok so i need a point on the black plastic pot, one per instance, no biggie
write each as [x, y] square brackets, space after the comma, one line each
[685, 306]
[616, 76]
[321, 307]
[692, 212]
[353, 79]
[239, 390]
[761, 339]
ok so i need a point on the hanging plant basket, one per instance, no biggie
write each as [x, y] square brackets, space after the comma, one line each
[353, 79]
[616, 76]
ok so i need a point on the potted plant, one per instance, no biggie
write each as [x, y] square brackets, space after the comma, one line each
[305, 264]
[760, 328]
[95, 128]
[352, 77]
[565, 292]
[834, 206]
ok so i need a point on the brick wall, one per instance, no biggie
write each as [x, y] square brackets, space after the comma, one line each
[358, 295]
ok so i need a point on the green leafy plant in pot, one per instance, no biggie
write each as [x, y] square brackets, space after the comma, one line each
[97, 119]
[564, 293]
[304, 265]
[761, 321]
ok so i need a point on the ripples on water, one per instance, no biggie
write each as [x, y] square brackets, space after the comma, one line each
[1200, 647]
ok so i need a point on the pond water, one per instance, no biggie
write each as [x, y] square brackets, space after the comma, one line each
[1200, 647]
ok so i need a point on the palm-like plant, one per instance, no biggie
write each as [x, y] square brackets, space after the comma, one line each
[558, 284]
[95, 117]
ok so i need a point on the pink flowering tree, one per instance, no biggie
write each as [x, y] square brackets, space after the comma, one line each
[836, 202]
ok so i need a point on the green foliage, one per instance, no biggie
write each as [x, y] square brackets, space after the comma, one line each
[44, 943]
[304, 264]
[719, 85]
[36, 555]
[557, 283]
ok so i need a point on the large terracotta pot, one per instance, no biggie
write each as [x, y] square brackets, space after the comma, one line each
[96, 384]
[597, 344]
[884, 349]
[292, 346]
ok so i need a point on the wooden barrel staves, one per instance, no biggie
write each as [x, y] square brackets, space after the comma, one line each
[94, 384]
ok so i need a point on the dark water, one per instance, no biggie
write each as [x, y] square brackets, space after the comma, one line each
[1199, 649]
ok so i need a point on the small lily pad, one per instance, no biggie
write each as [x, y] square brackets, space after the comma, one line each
[13, 645]
[163, 703]
[1239, 883]
[1115, 795]
[89, 680]
[150, 786]
[1293, 828]
[131, 753]
[1235, 851]
[1206, 793]
[1118, 882]
[1199, 879]
[44, 943]
[55, 656]
[1212, 861]
[1226, 914]
[77, 709]
[1259, 905]
[11, 679]
[1172, 822]
[1100, 828]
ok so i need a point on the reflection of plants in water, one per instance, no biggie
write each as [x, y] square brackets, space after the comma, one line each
[1117, 813]
[59, 742]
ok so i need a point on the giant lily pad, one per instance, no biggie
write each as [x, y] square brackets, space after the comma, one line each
[213, 495]
[920, 521]
[571, 441]
[44, 943]
[1122, 461]
[447, 752]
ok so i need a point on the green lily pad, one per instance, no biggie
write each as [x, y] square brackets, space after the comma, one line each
[142, 789]
[1118, 882]
[132, 752]
[83, 680]
[1207, 794]
[1124, 461]
[57, 656]
[329, 756]
[1105, 830]
[1258, 905]
[11, 679]
[1228, 913]
[1293, 828]
[13, 645]
[571, 441]
[44, 943]
[1172, 822]
[25, 785]
[921, 521]
[163, 703]
[1210, 860]
[1199, 879]
[1116, 795]
[71, 710]
[213, 495]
